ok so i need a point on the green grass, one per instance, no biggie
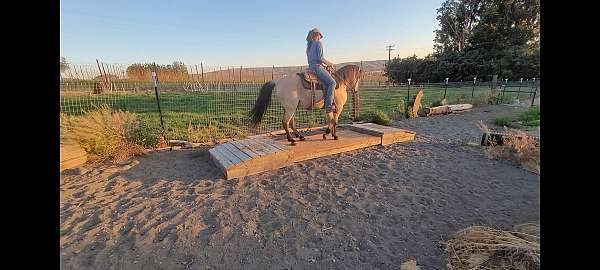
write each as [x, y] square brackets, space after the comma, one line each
[204, 116]
[528, 118]
[531, 117]
[504, 121]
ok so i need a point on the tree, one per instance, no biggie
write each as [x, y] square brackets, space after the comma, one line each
[175, 71]
[64, 65]
[456, 20]
[399, 70]
[506, 37]
[478, 38]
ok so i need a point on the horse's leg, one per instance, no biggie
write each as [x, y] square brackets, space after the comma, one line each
[287, 116]
[336, 117]
[330, 125]
[296, 133]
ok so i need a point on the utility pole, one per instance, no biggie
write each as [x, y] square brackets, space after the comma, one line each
[389, 49]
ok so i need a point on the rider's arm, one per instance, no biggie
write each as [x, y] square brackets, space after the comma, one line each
[320, 53]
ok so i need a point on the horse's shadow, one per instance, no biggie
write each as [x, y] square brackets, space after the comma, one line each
[186, 166]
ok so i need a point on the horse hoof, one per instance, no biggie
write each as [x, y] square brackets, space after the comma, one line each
[324, 137]
[293, 143]
[302, 139]
[335, 137]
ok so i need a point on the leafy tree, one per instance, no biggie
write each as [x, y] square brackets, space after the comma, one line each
[64, 65]
[138, 71]
[457, 20]
[478, 38]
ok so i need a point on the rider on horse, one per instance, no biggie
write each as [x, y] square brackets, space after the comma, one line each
[320, 66]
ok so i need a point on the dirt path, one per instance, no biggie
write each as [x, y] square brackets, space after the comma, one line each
[367, 209]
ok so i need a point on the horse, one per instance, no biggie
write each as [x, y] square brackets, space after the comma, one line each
[292, 95]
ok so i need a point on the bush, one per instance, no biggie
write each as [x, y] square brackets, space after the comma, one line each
[460, 99]
[401, 110]
[103, 134]
[487, 98]
[440, 102]
[530, 117]
[382, 118]
[503, 121]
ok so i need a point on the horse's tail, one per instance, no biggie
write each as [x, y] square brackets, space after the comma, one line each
[262, 102]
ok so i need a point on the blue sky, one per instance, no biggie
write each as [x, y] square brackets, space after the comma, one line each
[247, 33]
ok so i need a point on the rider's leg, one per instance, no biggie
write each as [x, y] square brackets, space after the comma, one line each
[329, 82]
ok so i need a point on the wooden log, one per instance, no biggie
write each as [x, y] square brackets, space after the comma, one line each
[446, 109]
[460, 107]
[417, 104]
[178, 142]
[437, 110]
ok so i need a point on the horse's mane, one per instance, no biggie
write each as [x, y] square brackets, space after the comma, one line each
[346, 74]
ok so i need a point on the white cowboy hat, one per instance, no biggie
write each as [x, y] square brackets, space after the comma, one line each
[316, 30]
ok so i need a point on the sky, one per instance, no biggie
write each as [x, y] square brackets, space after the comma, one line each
[243, 33]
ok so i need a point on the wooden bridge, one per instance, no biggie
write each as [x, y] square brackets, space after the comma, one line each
[264, 153]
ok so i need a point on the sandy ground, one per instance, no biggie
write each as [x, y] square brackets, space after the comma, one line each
[368, 209]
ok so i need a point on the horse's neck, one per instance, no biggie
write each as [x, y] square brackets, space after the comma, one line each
[340, 92]
[341, 88]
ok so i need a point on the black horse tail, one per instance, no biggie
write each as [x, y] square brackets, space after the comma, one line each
[262, 103]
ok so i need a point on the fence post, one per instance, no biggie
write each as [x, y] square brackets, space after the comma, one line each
[99, 69]
[202, 70]
[534, 92]
[504, 89]
[445, 87]
[155, 83]
[473, 91]
[532, 88]
[355, 106]
[408, 92]
[519, 91]
[272, 71]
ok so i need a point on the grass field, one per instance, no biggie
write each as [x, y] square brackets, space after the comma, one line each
[221, 113]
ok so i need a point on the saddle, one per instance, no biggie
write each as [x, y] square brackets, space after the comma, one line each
[311, 82]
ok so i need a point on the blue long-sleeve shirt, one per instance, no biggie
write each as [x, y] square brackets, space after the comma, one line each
[315, 54]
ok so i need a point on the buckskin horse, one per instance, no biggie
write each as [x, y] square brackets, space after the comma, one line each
[304, 91]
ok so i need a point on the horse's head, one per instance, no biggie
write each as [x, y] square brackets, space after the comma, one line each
[350, 76]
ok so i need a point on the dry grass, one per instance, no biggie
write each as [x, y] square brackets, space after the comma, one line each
[479, 247]
[486, 98]
[519, 146]
[103, 134]
[204, 133]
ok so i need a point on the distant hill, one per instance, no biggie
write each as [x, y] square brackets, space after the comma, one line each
[249, 73]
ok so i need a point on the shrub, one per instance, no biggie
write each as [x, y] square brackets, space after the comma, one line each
[460, 98]
[103, 134]
[401, 110]
[503, 121]
[203, 133]
[479, 247]
[486, 98]
[382, 118]
[517, 146]
[530, 117]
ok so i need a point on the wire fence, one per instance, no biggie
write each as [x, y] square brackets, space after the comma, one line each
[213, 104]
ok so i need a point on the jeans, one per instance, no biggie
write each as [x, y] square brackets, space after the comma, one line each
[329, 82]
